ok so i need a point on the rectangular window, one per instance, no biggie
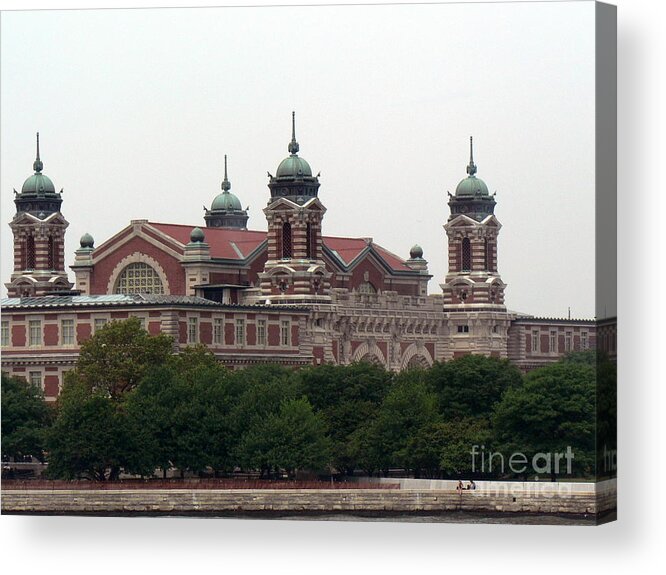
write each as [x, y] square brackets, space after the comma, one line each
[34, 332]
[240, 332]
[285, 332]
[192, 330]
[463, 329]
[261, 332]
[218, 330]
[584, 343]
[567, 341]
[552, 341]
[100, 322]
[535, 340]
[36, 378]
[4, 333]
[67, 335]
[142, 322]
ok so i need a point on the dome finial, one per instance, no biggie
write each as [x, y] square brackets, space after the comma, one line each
[471, 168]
[226, 185]
[293, 145]
[37, 164]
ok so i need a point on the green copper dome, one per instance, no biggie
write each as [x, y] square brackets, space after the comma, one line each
[471, 186]
[293, 167]
[38, 183]
[226, 201]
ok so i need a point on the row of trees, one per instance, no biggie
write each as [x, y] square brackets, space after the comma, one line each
[132, 405]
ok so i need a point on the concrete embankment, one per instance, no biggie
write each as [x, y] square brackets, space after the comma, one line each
[369, 502]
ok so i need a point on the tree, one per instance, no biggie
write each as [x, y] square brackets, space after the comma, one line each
[458, 438]
[93, 438]
[471, 385]
[409, 406]
[293, 438]
[347, 397]
[553, 409]
[183, 410]
[119, 355]
[25, 417]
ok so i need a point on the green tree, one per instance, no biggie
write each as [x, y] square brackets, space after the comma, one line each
[347, 397]
[119, 355]
[93, 438]
[553, 409]
[470, 386]
[182, 409]
[292, 439]
[409, 406]
[25, 418]
[458, 438]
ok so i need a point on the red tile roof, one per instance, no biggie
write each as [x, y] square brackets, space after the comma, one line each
[227, 243]
[224, 243]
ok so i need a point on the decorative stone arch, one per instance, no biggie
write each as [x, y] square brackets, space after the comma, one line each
[462, 287]
[369, 353]
[416, 356]
[136, 258]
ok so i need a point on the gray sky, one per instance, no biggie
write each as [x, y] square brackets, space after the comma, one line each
[136, 108]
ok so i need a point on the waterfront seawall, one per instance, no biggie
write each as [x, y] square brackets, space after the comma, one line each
[280, 502]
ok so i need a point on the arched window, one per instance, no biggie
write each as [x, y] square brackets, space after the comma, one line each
[52, 256]
[286, 240]
[466, 255]
[139, 278]
[30, 253]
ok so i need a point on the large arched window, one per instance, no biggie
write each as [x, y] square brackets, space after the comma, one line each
[139, 278]
[286, 240]
[466, 255]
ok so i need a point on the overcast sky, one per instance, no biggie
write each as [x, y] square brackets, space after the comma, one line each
[136, 109]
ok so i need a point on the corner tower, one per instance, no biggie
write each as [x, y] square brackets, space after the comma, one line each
[295, 270]
[39, 237]
[473, 289]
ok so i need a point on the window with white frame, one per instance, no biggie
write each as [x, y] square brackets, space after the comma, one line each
[35, 378]
[35, 332]
[261, 332]
[192, 330]
[552, 341]
[4, 333]
[67, 334]
[100, 322]
[240, 331]
[535, 340]
[285, 332]
[218, 330]
[567, 341]
[584, 342]
[463, 329]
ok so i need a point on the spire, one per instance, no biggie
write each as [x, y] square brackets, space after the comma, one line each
[471, 168]
[293, 145]
[37, 164]
[226, 185]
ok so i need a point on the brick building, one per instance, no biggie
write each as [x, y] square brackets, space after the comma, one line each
[291, 295]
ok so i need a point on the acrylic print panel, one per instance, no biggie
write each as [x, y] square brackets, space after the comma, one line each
[397, 301]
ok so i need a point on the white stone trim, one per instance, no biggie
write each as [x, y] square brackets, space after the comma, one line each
[414, 350]
[373, 349]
